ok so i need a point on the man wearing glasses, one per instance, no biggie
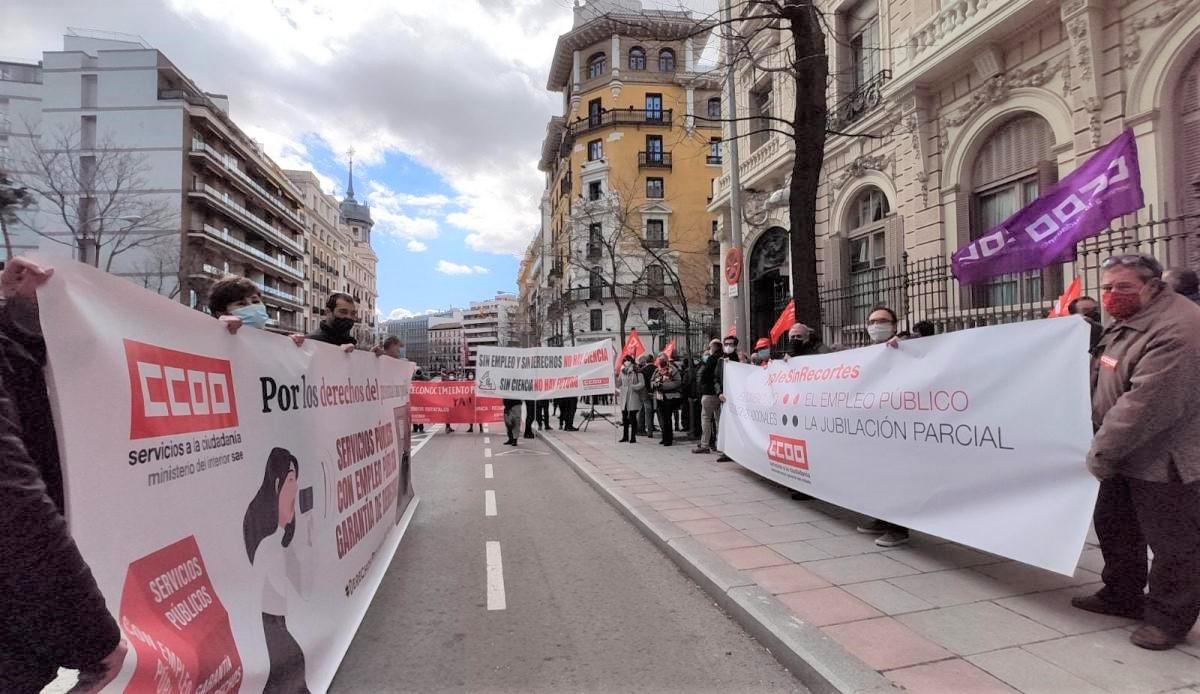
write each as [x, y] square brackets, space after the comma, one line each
[1146, 453]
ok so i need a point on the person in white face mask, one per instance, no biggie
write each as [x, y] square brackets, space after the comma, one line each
[882, 326]
[236, 301]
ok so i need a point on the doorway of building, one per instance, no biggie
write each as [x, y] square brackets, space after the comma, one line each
[769, 283]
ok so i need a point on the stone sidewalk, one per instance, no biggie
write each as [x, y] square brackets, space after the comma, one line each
[847, 615]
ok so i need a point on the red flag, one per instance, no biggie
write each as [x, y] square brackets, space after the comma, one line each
[732, 332]
[633, 347]
[1073, 292]
[786, 320]
[669, 350]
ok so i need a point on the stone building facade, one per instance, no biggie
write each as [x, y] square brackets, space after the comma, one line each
[956, 114]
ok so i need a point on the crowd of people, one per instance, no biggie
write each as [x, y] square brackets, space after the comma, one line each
[1145, 452]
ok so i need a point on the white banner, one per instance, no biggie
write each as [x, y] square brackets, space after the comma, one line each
[238, 497]
[976, 436]
[544, 373]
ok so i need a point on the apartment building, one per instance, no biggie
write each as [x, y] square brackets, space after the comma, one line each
[325, 244]
[490, 323]
[447, 347]
[358, 264]
[957, 114]
[628, 168]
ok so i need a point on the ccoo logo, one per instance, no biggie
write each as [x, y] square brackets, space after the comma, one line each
[788, 451]
[176, 392]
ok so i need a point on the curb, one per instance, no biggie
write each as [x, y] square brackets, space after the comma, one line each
[819, 662]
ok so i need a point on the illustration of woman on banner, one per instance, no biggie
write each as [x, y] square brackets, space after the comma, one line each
[269, 529]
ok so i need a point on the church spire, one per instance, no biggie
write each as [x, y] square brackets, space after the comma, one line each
[350, 185]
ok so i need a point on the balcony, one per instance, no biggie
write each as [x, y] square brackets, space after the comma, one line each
[958, 31]
[223, 202]
[713, 160]
[714, 248]
[245, 248]
[655, 243]
[860, 102]
[654, 160]
[272, 292]
[618, 117]
[277, 205]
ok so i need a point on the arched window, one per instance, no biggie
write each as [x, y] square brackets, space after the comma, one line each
[1187, 138]
[1010, 170]
[714, 107]
[596, 65]
[654, 280]
[666, 60]
[637, 58]
[867, 244]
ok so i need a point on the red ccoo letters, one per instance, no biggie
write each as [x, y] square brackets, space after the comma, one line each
[175, 393]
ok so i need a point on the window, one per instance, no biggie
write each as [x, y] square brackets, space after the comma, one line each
[862, 25]
[654, 149]
[595, 284]
[637, 58]
[596, 65]
[666, 60]
[656, 236]
[867, 249]
[654, 316]
[654, 107]
[597, 320]
[1008, 173]
[595, 113]
[595, 150]
[654, 280]
[595, 248]
[760, 113]
[654, 188]
[714, 107]
[714, 150]
[871, 206]
[595, 190]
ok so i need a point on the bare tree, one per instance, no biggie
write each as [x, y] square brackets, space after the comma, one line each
[93, 196]
[12, 198]
[159, 267]
[680, 275]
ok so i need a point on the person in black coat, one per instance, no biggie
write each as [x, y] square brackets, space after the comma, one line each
[52, 614]
[341, 313]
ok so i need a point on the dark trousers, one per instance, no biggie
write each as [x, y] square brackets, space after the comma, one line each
[666, 408]
[530, 414]
[629, 427]
[1165, 516]
[566, 410]
[543, 414]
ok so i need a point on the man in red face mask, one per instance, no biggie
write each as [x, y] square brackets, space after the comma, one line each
[1146, 453]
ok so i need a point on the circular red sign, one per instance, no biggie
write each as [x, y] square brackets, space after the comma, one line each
[733, 266]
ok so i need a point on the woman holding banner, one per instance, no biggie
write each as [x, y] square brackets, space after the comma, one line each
[268, 529]
[630, 387]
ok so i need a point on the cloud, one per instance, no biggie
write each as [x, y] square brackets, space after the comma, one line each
[415, 246]
[392, 215]
[448, 268]
[398, 313]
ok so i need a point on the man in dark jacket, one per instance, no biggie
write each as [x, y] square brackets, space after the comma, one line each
[708, 388]
[646, 368]
[1146, 453]
[729, 347]
[1088, 309]
[341, 313]
[52, 614]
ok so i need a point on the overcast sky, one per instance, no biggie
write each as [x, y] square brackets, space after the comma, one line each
[443, 101]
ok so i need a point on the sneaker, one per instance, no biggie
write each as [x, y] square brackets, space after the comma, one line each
[1097, 604]
[893, 538]
[874, 526]
[1154, 639]
[701, 450]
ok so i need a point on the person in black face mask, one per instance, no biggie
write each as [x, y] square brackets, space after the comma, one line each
[1089, 309]
[341, 313]
[802, 341]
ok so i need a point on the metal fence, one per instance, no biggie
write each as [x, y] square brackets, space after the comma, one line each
[926, 290]
[691, 338]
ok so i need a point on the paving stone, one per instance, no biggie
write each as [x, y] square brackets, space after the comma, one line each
[1053, 608]
[742, 509]
[976, 627]
[745, 523]
[885, 644]
[799, 551]
[745, 558]
[703, 526]
[689, 513]
[706, 501]
[948, 677]
[954, 587]
[1030, 674]
[671, 504]
[859, 568]
[657, 496]
[1107, 660]
[1030, 579]
[1192, 646]
[825, 606]
[788, 533]
[1092, 560]
[788, 578]
[847, 545]
[727, 540]
[793, 515]
[940, 557]
[838, 526]
[887, 598]
[710, 490]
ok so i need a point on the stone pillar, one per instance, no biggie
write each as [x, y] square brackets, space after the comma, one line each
[575, 70]
[690, 121]
[615, 59]
[689, 55]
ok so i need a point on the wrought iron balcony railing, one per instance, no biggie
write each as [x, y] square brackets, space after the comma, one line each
[860, 102]
[654, 160]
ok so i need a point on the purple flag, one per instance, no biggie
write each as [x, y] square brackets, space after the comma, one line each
[1079, 206]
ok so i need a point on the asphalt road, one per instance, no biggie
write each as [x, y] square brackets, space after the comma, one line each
[587, 604]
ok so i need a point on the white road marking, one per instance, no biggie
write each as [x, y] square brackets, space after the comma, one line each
[521, 452]
[487, 471]
[495, 577]
[487, 453]
[487, 440]
[489, 503]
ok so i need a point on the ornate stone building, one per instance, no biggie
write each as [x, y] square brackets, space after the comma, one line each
[957, 113]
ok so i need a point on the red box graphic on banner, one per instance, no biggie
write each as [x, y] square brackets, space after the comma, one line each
[452, 402]
[173, 617]
[787, 451]
[489, 410]
[175, 392]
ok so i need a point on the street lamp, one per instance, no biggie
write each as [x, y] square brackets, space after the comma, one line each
[89, 248]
